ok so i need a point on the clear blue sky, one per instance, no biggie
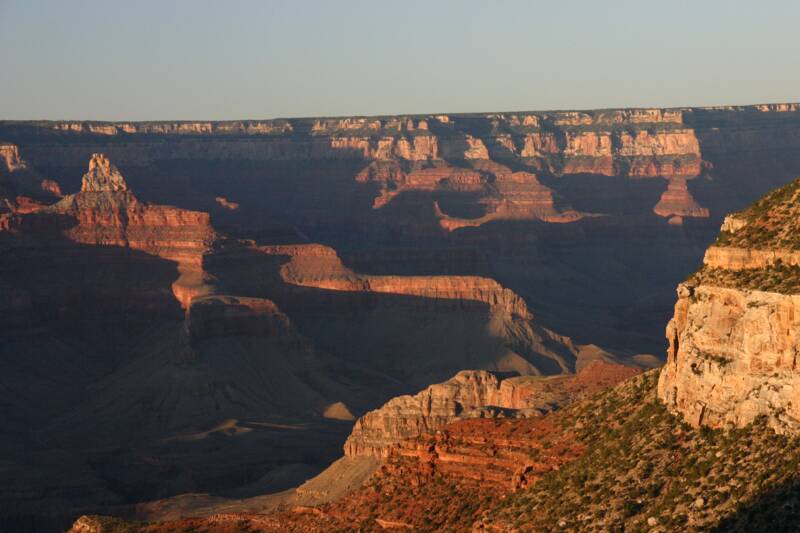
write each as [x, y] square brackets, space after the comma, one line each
[192, 59]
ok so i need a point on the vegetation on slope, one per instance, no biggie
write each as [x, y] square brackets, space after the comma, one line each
[647, 470]
[771, 222]
[643, 469]
[780, 278]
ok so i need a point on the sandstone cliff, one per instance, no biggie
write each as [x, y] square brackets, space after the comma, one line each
[735, 335]
[638, 143]
[677, 202]
[501, 193]
[315, 265]
[474, 394]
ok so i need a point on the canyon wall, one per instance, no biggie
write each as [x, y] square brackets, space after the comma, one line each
[633, 142]
[734, 339]
[473, 394]
[22, 188]
[636, 143]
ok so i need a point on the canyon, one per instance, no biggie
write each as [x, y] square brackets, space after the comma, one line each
[222, 308]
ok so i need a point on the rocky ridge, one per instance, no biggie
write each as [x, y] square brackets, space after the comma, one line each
[473, 394]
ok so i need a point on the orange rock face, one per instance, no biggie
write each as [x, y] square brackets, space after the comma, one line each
[653, 143]
[734, 340]
[109, 214]
[678, 201]
[506, 195]
[474, 394]
[319, 266]
[514, 196]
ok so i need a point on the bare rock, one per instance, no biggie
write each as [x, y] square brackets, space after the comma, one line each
[102, 176]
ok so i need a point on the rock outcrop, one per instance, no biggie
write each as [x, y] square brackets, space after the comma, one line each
[677, 202]
[514, 196]
[319, 266]
[502, 194]
[735, 337]
[109, 214]
[474, 394]
[22, 188]
[102, 176]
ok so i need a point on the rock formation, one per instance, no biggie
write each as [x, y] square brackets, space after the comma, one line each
[227, 204]
[677, 202]
[102, 176]
[22, 189]
[735, 336]
[319, 266]
[473, 394]
[514, 196]
[502, 194]
[109, 214]
[640, 143]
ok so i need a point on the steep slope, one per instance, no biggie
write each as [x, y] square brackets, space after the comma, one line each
[735, 335]
[458, 432]
[616, 460]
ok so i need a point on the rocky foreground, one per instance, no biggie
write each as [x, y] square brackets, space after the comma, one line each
[616, 460]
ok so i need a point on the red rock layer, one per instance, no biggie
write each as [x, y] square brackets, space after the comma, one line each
[678, 201]
[639, 142]
[517, 196]
[474, 394]
[316, 265]
[108, 214]
[505, 195]
[456, 473]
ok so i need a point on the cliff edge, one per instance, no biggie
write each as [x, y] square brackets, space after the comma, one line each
[735, 337]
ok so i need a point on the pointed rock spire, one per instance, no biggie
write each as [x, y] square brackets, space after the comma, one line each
[102, 176]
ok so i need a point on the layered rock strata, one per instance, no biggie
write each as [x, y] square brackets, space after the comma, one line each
[677, 202]
[734, 339]
[629, 142]
[501, 193]
[319, 266]
[473, 394]
[107, 213]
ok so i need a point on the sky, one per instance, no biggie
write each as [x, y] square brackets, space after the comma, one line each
[217, 60]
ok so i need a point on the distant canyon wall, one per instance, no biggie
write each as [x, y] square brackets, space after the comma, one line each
[630, 142]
